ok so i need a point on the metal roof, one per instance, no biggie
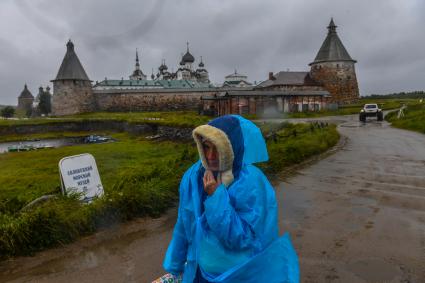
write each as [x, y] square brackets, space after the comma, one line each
[332, 48]
[224, 95]
[278, 93]
[26, 93]
[188, 58]
[71, 68]
[289, 78]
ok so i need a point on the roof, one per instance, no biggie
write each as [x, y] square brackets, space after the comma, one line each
[224, 94]
[71, 68]
[289, 78]
[137, 73]
[163, 84]
[236, 82]
[188, 58]
[26, 93]
[235, 74]
[332, 48]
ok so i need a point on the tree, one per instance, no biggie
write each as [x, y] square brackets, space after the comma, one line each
[7, 112]
[28, 112]
[45, 105]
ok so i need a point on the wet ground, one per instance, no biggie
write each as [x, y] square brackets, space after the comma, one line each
[4, 146]
[357, 215]
[49, 143]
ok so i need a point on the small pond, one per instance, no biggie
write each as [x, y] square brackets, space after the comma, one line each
[51, 143]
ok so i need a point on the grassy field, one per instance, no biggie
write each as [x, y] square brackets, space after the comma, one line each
[414, 118]
[139, 177]
[294, 143]
[386, 104]
[176, 119]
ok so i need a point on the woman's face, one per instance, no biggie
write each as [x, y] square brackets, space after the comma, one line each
[211, 154]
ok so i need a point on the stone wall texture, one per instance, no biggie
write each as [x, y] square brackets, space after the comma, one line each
[25, 104]
[71, 97]
[149, 101]
[339, 78]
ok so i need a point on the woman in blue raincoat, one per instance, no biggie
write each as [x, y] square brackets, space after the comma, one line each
[227, 229]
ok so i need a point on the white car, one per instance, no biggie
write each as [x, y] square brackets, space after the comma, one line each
[371, 110]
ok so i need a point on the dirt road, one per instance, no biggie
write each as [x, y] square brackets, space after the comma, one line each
[357, 215]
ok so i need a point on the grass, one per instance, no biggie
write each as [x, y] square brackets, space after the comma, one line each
[175, 119]
[50, 135]
[414, 118]
[349, 109]
[294, 143]
[140, 178]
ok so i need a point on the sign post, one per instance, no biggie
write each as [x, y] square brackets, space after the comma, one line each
[79, 175]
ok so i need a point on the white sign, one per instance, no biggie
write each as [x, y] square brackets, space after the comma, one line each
[79, 174]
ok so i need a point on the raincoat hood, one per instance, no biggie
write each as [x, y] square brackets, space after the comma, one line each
[239, 142]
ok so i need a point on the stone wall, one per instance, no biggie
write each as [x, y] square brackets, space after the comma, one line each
[71, 97]
[339, 78]
[125, 100]
[25, 104]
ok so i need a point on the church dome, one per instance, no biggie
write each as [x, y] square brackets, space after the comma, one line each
[163, 67]
[188, 58]
[26, 93]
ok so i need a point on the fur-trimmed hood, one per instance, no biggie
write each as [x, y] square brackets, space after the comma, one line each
[238, 141]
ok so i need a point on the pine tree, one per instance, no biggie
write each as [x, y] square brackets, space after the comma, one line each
[45, 106]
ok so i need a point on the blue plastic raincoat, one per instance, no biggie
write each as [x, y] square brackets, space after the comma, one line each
[232, 235]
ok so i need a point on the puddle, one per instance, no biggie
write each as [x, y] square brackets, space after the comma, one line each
[47, 143]
[293, 205]
[362, 206]
[374, 270]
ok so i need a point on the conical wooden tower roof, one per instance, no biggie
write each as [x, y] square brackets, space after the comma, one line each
[332, 48]
[71, 68]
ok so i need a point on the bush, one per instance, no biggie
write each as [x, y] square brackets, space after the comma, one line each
[7, 112]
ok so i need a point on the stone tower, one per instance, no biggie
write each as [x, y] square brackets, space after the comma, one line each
[72, 89]
[334, 69]
[25, 100]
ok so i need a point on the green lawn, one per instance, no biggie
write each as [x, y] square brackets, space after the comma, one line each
[27, 175]
[349, 109]
[176, 118]
[414, 118]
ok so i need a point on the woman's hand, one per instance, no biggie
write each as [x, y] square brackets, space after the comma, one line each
[210, 184]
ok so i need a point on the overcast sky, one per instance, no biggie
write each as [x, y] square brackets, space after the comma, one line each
[386, 37]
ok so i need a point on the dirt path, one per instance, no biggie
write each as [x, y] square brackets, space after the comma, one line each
[355, 216]
[359, 215]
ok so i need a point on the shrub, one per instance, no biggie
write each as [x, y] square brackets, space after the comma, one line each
[7, 112]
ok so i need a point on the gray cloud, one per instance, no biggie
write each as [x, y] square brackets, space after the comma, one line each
[255, 37]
